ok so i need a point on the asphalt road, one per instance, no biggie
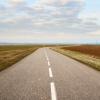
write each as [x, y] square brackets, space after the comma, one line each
[48, 75]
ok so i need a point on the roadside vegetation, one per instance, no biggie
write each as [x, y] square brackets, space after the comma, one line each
[12, 54]
[87, 54]
[93, 50]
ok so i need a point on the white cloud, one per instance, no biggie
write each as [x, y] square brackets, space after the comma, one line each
[58, 19]
[57, 2]
[46, 37]
[16, 1]
[46, 2]
[8, 21]
[13, 4]
[95, 34]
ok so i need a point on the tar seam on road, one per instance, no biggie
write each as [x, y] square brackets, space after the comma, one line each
[52, 84]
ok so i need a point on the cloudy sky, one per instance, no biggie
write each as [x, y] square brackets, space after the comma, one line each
[50, 21]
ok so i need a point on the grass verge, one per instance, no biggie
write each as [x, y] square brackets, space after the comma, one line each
[9, 55]
[84, 58]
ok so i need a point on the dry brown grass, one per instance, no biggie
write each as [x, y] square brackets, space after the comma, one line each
[12, 54]
[93, 50]
[91, 61]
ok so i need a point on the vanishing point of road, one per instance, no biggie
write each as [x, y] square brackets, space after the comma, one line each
[48, 75]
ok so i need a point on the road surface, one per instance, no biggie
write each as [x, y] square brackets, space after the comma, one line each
[48, 75]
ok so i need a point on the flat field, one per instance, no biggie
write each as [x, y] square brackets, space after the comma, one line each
[12, 54]
[87, 54]
[87, 49]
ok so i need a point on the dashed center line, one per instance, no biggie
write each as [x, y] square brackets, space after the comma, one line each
[53, 91]
[50, 73]
[49, 63]
[46, 55]
[47, 58]
[52, 84]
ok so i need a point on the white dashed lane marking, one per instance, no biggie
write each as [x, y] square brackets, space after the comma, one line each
[52, 84]
[53, 91]
[50, 73]
[49, 63]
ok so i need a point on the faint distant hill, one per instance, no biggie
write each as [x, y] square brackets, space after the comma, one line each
[11, 43]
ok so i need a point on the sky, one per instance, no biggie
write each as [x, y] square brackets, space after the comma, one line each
[49, 21]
